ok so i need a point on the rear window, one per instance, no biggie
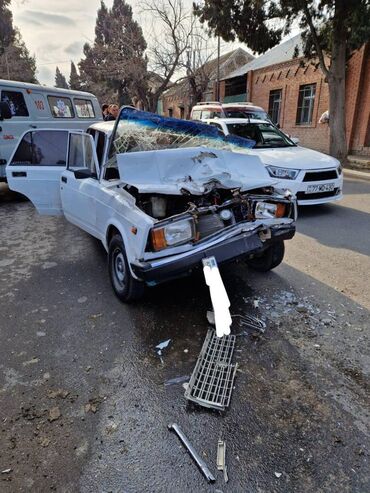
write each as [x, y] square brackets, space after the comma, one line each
[196, 115]
[42, 148]
[16, 102]
[61, 107]
[84, 108]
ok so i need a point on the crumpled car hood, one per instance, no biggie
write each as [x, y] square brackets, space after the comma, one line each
[194, 170]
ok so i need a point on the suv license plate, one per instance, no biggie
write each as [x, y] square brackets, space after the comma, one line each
[326, 187]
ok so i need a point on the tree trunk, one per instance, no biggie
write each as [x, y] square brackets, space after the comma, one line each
[337, 88]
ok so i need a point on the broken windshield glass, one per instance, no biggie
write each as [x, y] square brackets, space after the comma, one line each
[138, 130]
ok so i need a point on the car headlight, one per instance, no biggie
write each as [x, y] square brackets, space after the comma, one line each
[282, 173]
[266, 210]
[173, 234]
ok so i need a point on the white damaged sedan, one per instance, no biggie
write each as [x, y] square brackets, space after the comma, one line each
[313, 177]
[161, 195]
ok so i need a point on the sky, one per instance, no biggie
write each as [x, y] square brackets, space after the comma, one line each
[56, 30]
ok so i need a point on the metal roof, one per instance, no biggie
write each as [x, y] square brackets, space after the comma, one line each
[280, 53]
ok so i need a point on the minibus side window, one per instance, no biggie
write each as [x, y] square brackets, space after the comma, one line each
[16, 102]
[61, 107]
[84, 108]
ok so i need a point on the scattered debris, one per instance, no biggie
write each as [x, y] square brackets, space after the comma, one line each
[53, 394]
[220, 300]
[96, 315]
[199, 462]
[278, 474]
[54, 414]
[186, 350]
[161, 346]
[32, 361]
[93, 404]
[6, 471]
[251, 322]
[44, 442]
[221, 459]
[211, 317]
[174, 381]
[212, 379]
[256, 303]
[83, 299]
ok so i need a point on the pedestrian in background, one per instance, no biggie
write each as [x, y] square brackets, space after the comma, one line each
[113, 111]
[104, 110]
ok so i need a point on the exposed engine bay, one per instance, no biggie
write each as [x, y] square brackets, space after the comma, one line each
[212, 212]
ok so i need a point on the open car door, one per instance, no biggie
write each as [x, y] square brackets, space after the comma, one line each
[35, 168]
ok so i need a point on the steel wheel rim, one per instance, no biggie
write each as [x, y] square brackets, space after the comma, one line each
[119, 267]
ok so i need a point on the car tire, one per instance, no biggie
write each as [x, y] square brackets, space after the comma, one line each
[271, 258]
[124, 285]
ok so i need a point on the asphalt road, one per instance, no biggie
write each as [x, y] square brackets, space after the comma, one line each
[83, 405]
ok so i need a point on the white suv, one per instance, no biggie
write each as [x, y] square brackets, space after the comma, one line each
[214, 109]
[314, 177]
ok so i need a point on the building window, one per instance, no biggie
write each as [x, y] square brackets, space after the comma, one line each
[182, 112]
[306, 101]
[170, 112]
[235, 86]
[275, 105]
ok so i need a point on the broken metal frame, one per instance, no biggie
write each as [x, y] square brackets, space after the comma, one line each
[194, 455]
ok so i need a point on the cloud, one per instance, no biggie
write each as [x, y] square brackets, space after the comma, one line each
[45, 74]
[74, 48]
[37, 17]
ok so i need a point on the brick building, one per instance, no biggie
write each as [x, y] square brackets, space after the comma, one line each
[177, 100]
[295, 94]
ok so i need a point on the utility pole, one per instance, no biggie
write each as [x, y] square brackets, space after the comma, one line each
[7, 65]
[218, 69]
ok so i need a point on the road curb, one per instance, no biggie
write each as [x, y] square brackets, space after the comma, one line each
[356, 174]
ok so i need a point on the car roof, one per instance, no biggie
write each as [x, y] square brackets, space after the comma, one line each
[106, 127]
[235, 120]
[215, 105]
[36, 87]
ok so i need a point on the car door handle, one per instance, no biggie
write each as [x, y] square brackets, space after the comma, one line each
[64, 179]
[19, 174]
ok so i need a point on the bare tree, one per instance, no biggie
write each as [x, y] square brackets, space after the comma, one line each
[167, 53]
[199, 68]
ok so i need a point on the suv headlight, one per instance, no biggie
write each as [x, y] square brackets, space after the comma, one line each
[282, 173]
[266, 210]
[173, 234]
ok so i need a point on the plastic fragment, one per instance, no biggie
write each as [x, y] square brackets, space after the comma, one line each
[174, 381]
[161, 346]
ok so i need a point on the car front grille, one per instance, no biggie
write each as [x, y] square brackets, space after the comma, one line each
[321, 175]
[314, 196]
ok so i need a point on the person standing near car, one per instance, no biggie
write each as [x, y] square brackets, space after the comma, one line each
[113, 111]
[104, 110]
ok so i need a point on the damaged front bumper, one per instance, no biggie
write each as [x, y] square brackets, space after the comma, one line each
[244, 242]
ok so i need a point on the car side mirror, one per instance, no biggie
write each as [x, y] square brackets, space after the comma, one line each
[83, 173]
[295, 140]
[5, 111]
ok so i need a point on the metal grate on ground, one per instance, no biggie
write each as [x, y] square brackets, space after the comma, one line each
[212, 381]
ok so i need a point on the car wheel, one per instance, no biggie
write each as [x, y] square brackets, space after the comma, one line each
[271, 258]
[125, 286]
